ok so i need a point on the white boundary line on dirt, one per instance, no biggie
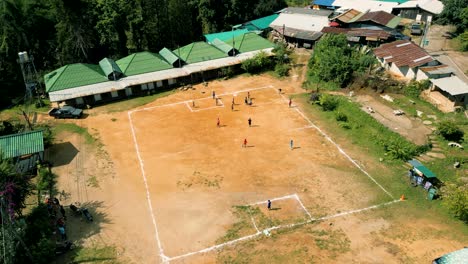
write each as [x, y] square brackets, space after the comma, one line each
[290, 196]
[188, 106]
[303, 207]
[219, 246]
[301, 128]
[340, 149]
[189, 101]
[164, 258]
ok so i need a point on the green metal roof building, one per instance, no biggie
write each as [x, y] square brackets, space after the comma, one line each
[170, 57]
[142, 62]
[21, 144]
[74, 75]
[251, 42]
[199, 51]
[226, 35]
[226, 48]
[260, 23]
[110, 69]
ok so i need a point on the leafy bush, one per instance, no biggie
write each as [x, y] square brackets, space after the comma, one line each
[463, 38]
[314, 97]
[341, 117]
[260, 62]
[455, 197]
[328, 102]
[282, 69]
[450, 131]
[414, 88]
[282, 53]
[398, 148]
[345, 125]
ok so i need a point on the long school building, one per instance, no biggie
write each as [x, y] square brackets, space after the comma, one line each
[145, 72]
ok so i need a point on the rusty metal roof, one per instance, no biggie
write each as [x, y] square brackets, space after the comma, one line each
[359, 32]
[403, 53]
[349, 16]
[438, 69]
[297, 33]
[379, 17]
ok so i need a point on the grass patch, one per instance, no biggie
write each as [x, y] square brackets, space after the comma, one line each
[132, 103]
[73, 128]
[242, 227]
[314, 85]
[105, 255]
[93, 181]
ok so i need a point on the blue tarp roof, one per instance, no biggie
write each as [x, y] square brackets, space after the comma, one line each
[421, 168]
[324, 2]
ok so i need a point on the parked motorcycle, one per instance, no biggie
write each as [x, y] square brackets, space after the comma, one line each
[82, 211]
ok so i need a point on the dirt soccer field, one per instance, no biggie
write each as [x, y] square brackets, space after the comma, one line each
[195, 172]
[166, 184]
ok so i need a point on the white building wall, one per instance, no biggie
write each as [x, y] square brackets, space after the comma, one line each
[395, 70]
[411, 74]
[420, 75]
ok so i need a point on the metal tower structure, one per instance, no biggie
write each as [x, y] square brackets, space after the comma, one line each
[28, 69]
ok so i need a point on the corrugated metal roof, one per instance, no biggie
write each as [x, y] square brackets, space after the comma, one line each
[349, 16]
[432, 6]
[365, 5]
[109, 67]
[378, 34]
[327, 3]
[381, 17]
[300, 34]
[226, 35]
[439, 69]
[394, 1]
[306, 11]
[251, 42]
[142, 62]
[21, 144]
[452, 85]
[168, 55]
[199, 51]
[73, 75]
[152, 77]
[301, 22]
[260, 23]
[222, 46]
[403, 53]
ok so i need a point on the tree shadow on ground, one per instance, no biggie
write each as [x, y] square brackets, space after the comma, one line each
[62, 153]
[79, 229]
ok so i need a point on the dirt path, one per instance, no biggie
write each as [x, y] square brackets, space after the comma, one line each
[409, 127]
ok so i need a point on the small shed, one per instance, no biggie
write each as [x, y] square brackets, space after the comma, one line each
[25, 149]
[453, 90]
[110, 69]
[226, 48]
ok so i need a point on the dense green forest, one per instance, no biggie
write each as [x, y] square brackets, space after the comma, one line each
[59, 32]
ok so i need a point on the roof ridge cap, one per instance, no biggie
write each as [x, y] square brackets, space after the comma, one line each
[60, 74]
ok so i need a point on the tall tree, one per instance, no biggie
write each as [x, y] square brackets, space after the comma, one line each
[75, 31]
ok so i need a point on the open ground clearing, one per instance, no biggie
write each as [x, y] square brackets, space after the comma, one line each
[199, 180]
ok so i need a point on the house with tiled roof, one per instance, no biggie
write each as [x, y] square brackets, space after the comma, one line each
[403, 58]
